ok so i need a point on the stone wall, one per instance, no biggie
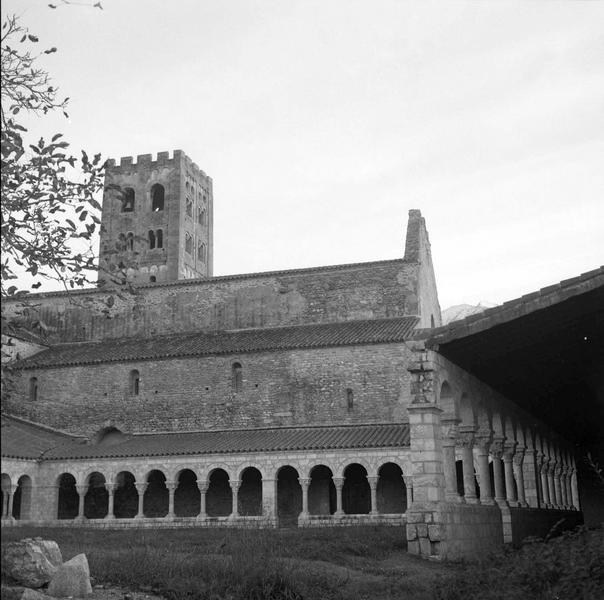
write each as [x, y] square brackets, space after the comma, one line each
[471, 530]
[328, 294]
[289, 387]
[528, 522]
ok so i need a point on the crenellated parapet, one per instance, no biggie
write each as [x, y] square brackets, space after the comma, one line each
[127, 164]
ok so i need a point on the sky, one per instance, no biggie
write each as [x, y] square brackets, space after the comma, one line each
[322, 123]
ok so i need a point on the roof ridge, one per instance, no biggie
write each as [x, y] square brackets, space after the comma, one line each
[41, 426]
[220, 278]
[283, 428]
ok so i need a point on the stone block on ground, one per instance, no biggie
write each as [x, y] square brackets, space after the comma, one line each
[72, 578]
[22, 593]
[31, 562]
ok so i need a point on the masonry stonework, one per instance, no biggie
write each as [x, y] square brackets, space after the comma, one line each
[305, 398]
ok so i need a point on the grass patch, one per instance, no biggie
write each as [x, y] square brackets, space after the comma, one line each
[311, 564]
[569, 567]
[365, 563]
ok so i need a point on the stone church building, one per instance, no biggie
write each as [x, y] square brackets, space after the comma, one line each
[325, 396]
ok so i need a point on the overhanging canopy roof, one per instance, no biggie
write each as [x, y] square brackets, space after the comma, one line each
[544, 351]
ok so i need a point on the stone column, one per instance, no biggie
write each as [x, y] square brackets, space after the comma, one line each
[563, 486]
[110, 487]
[543, 466]
[8, 503]
[141, 488]
[82, 489]
[449, 469]
[373, 481]
[575, 490]
[508, 467]
[498, 476]
[530, 474]
[171, 485]
[4, 503]
[202, 486]
[235, 485]
[339, 484]
[550, 483]
[483, 443]
[465, 440]
[569, 491]
[558, 486]
[304, 484]
[269, 500]
[518, 469]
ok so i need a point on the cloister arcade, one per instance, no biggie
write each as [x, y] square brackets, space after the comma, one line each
[493, 453]
[288, 496]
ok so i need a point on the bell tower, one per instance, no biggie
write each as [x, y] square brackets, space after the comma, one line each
[157, 220]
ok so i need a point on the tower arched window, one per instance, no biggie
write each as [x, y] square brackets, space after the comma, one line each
[189, 207]
[237, 377]
[33, 388]
[201, 252]
[129, 241]
[188, 243]
[128, 200]
[159, 238]
[201, 216]
[151, 240]
[135, 380]
[157, 197]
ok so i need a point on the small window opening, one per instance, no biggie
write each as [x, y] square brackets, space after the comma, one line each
[201, 216]
[201, 252]
[129, 241]
[432, 321]
[159, 238]
[134, 382]
[33, 389]
[189, 207]
[237, 375]
[157, 197]
[188, 243]
[153, 279]
[349, 400]
[128, 200]
[151, 240]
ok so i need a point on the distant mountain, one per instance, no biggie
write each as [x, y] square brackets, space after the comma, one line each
[461, 311]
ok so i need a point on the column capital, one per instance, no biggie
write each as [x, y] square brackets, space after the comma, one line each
[82, 488]
[236, 484]
[171, 485]
[373, 481]
[450, 431]
[203, 486]
[338, 481]
[465, 436]
[304, 481]
[110, 487]
[497, 446]
[141, 486]
[519, 455]
[509, 446]
[483, 440]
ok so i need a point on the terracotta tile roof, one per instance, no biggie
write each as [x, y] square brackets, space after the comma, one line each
[347, 333]
[236, 441]
[24, 439]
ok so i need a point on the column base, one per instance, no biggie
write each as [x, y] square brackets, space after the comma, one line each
[472, 500]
